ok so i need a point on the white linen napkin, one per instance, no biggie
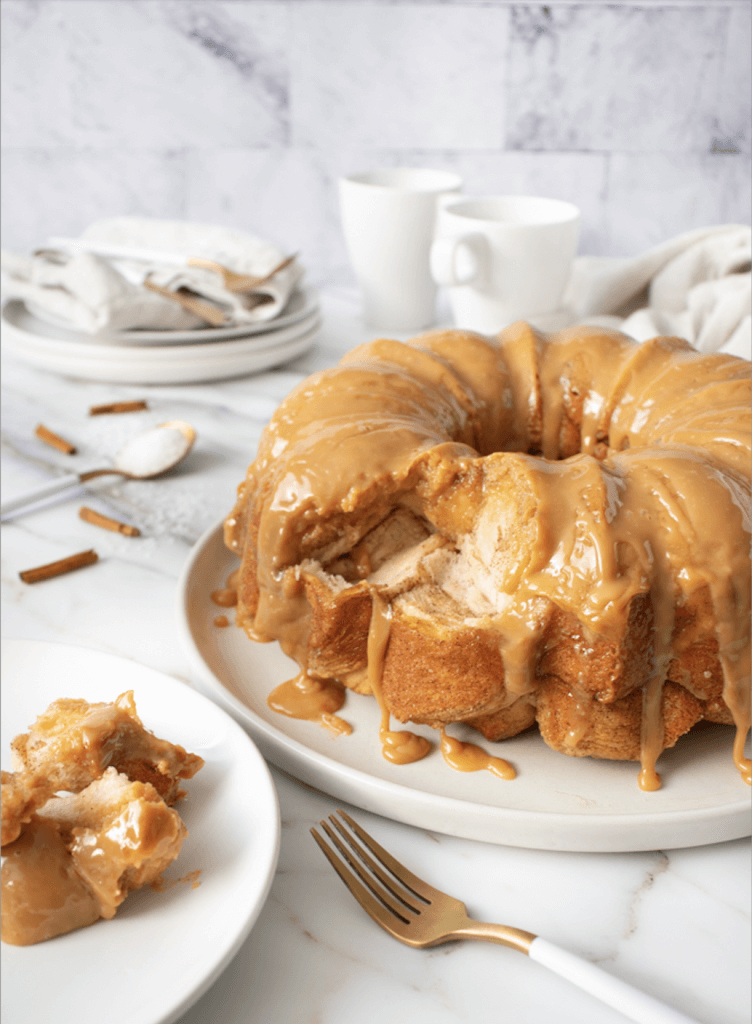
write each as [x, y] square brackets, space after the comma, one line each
[696, 286]
[99, 295]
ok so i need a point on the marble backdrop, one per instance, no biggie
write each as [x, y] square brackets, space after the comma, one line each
[245, 112]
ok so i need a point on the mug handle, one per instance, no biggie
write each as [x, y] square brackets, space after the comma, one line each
[456, 261]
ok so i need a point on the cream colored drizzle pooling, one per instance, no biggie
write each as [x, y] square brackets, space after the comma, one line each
[735, 659]
[314, 700]
[227, 596]
[469, 757]
[399, 747]
[651, 732]
[579, 721]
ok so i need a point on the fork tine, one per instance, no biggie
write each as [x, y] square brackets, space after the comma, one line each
[386, 881]
[416, 885]
[383, 896]
[372, 907]
[399, 890]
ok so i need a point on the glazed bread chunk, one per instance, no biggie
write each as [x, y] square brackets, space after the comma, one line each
[73, 742]
[80, 855]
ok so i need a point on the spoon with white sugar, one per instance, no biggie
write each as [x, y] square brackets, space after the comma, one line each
[146, 455]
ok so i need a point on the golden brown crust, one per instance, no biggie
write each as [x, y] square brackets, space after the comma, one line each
[601, 668]
[437, 676]
[587, 728]
[338, 642]
[506, 722]
[22, 796]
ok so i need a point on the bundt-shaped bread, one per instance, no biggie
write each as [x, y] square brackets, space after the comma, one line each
[558, 528]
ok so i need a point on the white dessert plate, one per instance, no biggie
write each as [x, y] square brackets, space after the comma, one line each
[555, 803]
[162, 950]
[168, 364]
[302, 303]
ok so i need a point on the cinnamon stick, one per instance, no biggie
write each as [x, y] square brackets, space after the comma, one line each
[89, 515]
[55, 440]
[47, 572]
[99, 410]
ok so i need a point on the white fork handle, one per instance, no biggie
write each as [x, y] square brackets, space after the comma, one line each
[613, 991]
[60, 483]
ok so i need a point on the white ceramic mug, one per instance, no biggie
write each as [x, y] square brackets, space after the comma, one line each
[388, 218]
[504, 258]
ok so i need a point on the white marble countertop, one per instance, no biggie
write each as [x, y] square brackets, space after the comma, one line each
[675, 923]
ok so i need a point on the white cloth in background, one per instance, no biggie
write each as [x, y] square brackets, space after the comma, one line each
[696, 286]
[99, 295]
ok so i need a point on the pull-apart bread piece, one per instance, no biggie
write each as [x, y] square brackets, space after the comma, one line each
[73, 742]
[559, 526]
[85, 816]
[81, 854]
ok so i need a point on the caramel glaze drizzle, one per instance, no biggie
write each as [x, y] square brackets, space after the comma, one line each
[400, 747]
[468, 757]
[617, 464]
[227, 597]
[303, 696]
[651, 731]
[313, 700]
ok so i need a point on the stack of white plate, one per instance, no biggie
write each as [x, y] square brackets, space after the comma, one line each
[161, 357]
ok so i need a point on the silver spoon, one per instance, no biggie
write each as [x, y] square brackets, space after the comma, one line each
[146, 455]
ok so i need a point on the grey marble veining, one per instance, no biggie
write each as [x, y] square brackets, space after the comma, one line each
[246, 112]
[616, 79]
[399, 77]
[135, 74]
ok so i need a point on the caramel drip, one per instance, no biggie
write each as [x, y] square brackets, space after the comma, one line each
[742, 763]
[284, 614]
[699, 550]
[401, 747]
[468, 757]
[521, 634]
[734, 654]
[227, 596]
[651, 732]
[577, 369]
[313, 700]
[221, 621]
[578, 722]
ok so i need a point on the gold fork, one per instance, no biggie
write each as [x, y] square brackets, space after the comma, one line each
[419, 915]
